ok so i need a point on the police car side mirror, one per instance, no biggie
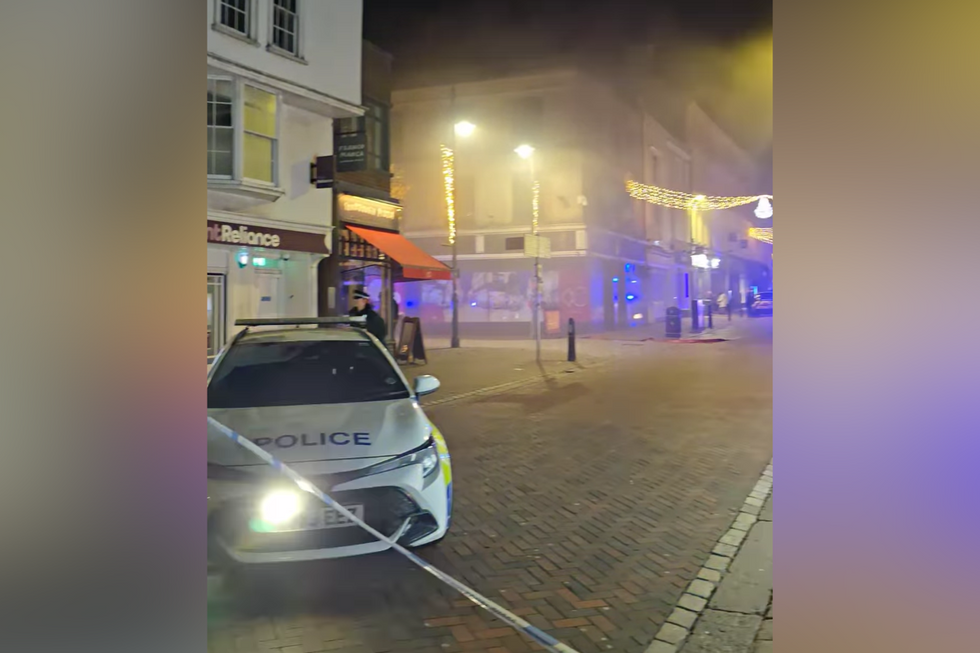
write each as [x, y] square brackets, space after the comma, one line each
[426, 385]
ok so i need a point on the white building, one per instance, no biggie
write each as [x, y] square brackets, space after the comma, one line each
[279, 73]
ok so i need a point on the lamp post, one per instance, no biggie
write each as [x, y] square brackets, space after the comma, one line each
[461, 129]
[526, 152]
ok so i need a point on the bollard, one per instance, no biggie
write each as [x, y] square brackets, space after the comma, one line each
[571, 340]
[695, 322]
[711, 320]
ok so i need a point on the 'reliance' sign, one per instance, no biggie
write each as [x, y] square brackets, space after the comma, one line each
[368, 212]
[226, 233]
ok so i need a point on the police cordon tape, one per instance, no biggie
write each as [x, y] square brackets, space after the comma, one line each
[529, 630]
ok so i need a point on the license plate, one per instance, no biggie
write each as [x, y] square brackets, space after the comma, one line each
[320, 519]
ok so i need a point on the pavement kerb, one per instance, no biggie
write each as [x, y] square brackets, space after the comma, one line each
[675, 631]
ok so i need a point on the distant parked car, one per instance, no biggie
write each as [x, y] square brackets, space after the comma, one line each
[761, 304]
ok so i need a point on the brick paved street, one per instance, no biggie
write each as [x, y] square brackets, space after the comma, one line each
[586, 503]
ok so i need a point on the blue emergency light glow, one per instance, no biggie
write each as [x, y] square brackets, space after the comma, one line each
[630, 297]
[410, 304]
[628, 267]
[615, 279]
[472, 303]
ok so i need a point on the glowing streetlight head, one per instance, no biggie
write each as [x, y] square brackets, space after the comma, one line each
[524, 151]
[465, 129]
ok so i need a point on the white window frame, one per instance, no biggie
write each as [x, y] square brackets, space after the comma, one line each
[238, 126]
[235, 121]
[220, 327]
[250, 20]
[299, 35]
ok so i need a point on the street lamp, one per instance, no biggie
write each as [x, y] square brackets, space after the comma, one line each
[526, 152]
[464, 128]
[461, 129]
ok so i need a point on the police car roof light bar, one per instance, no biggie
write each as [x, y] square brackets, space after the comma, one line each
[301, 321]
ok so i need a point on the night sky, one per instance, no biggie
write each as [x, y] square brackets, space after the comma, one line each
[719, 51]
[397, 25]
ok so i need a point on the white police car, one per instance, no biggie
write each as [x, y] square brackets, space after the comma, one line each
[327, 399]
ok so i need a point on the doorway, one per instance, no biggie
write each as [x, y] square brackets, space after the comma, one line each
[269, 288]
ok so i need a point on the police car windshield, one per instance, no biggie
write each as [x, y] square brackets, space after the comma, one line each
[261, 374]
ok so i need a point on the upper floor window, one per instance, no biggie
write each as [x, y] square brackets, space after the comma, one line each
[527, 119]
[236, 15]
[221, 130]
[242, 131]
[285, 25]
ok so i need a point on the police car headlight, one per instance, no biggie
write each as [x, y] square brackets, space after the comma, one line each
[425, 456]
[280, 506]
[429, 460]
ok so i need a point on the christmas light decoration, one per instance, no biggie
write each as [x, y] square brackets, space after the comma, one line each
[677, 200]
[534, 206]
[761, 233]
[448, 165]
[764, 210]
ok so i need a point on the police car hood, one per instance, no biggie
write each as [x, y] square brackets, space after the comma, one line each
[352, 435]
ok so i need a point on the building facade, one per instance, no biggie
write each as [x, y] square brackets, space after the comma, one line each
[371, 255]
[669, 232]
[280, 72]
[587, 143]
[721, 167]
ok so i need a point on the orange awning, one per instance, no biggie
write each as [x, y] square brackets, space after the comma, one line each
[415, 263]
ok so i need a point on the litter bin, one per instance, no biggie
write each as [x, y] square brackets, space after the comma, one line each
[672, 323]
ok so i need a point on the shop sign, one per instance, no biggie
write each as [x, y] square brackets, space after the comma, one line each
[228, 233]
[368, 212]
[351, 152]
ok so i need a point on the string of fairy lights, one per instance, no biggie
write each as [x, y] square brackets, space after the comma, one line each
[696, 203]
[449, 181]
[686, 201]
[534, 206]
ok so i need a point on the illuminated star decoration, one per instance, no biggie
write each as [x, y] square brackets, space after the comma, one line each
[686, 201]
[761, 233]
[448, 164]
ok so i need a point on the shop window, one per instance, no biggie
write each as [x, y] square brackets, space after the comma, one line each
[216, 314]
[515, 244]
[242, 132]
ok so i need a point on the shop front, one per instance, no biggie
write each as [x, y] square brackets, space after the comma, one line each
[496, 297]
[373, 256]
[257, 271]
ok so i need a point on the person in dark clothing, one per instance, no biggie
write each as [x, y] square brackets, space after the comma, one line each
[375, 323]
